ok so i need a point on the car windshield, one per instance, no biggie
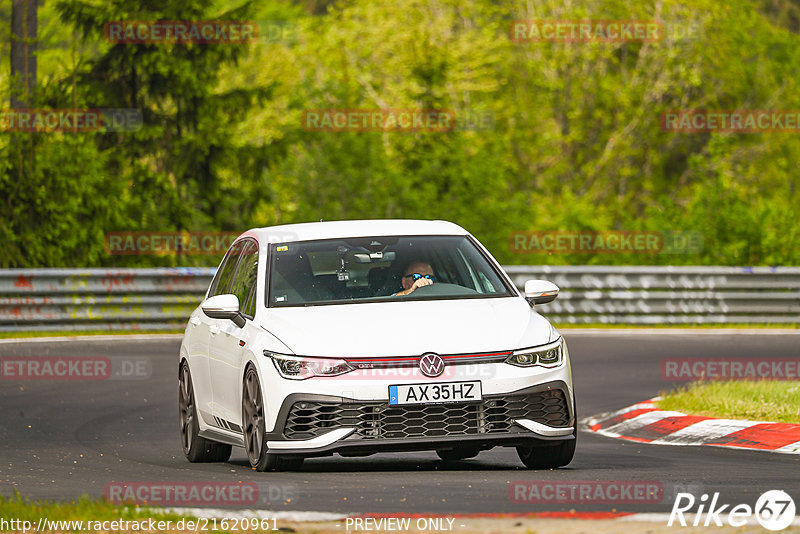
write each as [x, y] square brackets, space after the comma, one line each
[371, 269]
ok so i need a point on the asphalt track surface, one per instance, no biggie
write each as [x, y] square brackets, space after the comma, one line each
[61, 439]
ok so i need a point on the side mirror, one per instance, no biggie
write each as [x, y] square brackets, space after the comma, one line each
[224, 307]
[540, 291]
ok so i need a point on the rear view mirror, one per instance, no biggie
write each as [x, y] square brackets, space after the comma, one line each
[540, 291]
[374, 257]
[224, 307]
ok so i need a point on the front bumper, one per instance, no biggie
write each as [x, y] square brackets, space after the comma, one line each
[319, 425]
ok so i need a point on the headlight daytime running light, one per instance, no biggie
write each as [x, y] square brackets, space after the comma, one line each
[548, 356]
[302, 368]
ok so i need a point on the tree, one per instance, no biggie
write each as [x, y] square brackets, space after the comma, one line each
[24, 28]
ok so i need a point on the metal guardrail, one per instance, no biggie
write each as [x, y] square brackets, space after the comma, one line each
[100, 299]
[161, 299]
[669, 295]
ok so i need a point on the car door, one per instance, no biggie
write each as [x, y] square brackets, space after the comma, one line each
[200, 327]
[227, 342]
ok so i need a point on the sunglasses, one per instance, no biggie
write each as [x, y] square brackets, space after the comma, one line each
[417, 276]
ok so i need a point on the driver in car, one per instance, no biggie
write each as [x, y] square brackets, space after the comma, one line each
[416, 274]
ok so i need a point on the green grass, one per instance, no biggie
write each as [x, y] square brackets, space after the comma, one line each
[762, 400]
[85, 508]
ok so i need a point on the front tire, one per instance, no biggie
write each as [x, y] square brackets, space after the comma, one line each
[195, 448]
[254, 428]
[551, 456]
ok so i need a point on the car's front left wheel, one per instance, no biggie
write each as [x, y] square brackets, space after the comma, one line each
[551, 456]
[195, 448]
[254, 427]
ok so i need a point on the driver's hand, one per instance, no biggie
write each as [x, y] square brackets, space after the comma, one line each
[421, 282]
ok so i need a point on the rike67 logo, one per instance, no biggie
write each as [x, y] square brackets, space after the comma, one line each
[774, 510]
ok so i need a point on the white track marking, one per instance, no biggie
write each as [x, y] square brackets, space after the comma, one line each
[792, 448]
[704, 432]
[635, 423]
[595, 419]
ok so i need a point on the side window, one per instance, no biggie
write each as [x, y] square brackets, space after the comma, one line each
[245, 279]
[222, 280]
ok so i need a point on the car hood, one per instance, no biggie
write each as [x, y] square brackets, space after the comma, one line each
[408, 328]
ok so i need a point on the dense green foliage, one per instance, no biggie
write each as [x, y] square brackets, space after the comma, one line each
[575, 142]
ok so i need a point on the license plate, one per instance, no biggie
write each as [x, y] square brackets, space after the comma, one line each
[435, 393]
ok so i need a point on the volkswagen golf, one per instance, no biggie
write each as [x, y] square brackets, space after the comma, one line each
[360, 337]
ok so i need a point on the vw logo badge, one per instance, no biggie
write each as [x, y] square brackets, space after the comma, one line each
[431, 364]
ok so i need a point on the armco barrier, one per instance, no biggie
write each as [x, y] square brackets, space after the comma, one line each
[159, 299]
[100, 299]
[668, 295]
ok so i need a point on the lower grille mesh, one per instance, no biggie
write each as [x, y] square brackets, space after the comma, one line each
[380, 421]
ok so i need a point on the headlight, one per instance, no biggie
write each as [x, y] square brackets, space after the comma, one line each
[299, 368]
[548, 356]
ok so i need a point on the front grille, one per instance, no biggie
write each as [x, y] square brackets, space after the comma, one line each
[381, 421]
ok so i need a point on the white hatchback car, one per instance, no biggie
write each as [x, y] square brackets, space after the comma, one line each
[357, 337]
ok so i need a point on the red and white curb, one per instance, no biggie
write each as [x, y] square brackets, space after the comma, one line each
[646, 423]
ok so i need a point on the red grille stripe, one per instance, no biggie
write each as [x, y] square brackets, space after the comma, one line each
[445, 357]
